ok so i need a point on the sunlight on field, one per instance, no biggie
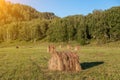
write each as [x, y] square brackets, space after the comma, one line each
[30, 63]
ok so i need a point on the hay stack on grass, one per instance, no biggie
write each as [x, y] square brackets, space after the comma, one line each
[17, 47]
[77, 48]
[69, 47]
[63, 61]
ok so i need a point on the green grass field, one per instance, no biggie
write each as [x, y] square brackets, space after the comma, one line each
[30, 63]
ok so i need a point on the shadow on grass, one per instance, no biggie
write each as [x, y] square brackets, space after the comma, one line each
[87, 65]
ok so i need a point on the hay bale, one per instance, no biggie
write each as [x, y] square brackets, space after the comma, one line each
[69, 47]
[77, 48]
[60, 46]
[17, 47]
[63, 61]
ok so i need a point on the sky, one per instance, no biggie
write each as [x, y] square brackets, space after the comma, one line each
[64, 8]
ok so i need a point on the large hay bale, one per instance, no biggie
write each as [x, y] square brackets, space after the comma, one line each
[63, 61]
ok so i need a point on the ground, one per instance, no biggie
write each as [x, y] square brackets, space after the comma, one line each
[30, 62]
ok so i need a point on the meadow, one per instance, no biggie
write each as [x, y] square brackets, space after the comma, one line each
[30, 62]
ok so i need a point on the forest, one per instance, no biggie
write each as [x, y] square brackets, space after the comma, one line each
[24, 23]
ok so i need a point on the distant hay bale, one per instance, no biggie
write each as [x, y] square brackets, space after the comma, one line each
[77, 48]
[17, 47]
[69, 47]
[63, 61]
[60, 46]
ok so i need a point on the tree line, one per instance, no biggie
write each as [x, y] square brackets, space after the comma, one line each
[99, 26]
[21, 22]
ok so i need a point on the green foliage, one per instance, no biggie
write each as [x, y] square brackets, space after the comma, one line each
[57, 31]
[22, 22]
[113, 22]
[10, 12]
[25, 31]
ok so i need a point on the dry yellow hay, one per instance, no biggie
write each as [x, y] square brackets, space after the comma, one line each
[69, 47]
[63, 61]
[77, 48]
